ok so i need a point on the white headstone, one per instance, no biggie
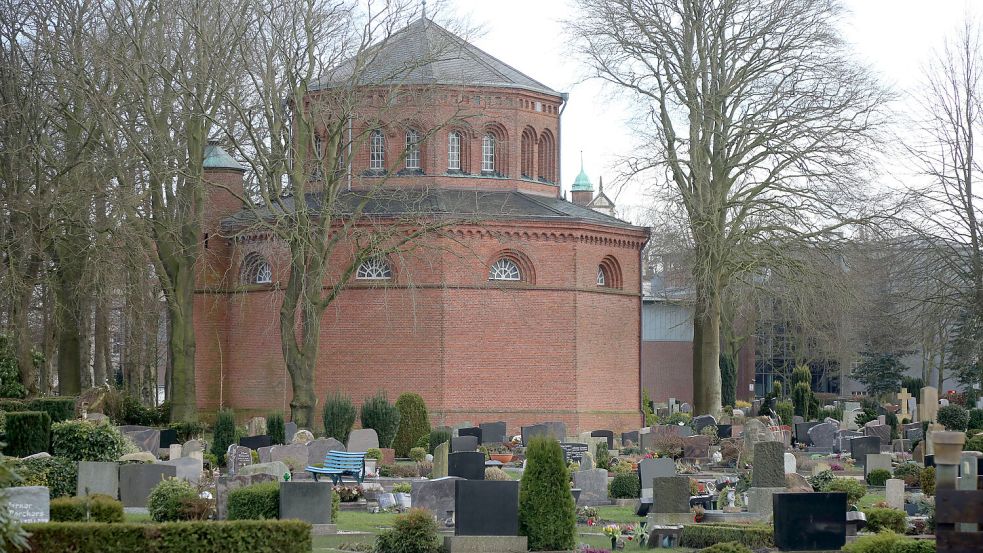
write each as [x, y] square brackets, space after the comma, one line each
[789, 463]
[175, 451]
[895, 493]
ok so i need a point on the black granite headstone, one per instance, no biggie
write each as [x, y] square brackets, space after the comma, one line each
[464, 443]
[493, 432]
[802, 432]
[256, 442]
[810, 521]
[486, 508]
[573, 452]
[630, 437]
[168, 437]
[473, 431]
[860, 447]
[305, 500]
[929, 461]
[529, 432]
[466, 464]
[609, 435]
[724, 431]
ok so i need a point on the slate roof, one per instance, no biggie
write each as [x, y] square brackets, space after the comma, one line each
[424, 53]
[471, 205]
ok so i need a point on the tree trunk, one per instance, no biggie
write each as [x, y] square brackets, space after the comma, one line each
[101, 357]
[20, 309]
[184, 399]
[706, 352]
[69, 341]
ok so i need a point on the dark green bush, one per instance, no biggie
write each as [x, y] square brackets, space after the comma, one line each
[413, 532]
[58, 408]
[913, 546]
[927, 480]
[413, 423]
[625, 486]
[877, 543]
[418, 454]
[28, 432]
[224, 434]
[602, 458]
[10, 405]
[276, 428]
[383, 417]
[974, 444]
[975, 419]
[878, 477]
[272, 536]
[437, 437]
[754, 536]
[59, 474]
[187, 430]
[259, 501]
[954, 417]
[785, 411]
[854, 489]
[123, 408]
[10, 385]
[909, 472]
[879, 519]
[339, 416]
[166, 499]
[727, 547]
[87, 441]
[93, 508]
[801, 394]
[547, 514]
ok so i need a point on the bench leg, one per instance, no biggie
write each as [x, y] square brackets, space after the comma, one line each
[315, 476]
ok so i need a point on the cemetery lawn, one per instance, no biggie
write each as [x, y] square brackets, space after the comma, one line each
[870, 499]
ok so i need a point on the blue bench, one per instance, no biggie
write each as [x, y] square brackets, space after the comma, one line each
[340, 463]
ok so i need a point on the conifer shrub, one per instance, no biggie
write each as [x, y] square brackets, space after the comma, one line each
[975, 419]
[28, 432]
[383, 417]
[785, 411]
[625, 486]
[547, 514]
[276, 428]
[801, 394]
[437, 437]
[413, 422]
[927, 478]
[339, 416]
[224, 434]
[880, 519]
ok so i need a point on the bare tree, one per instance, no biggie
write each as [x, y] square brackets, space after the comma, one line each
[756, 117]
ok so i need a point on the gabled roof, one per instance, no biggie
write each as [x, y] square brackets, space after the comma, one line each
[424, 53]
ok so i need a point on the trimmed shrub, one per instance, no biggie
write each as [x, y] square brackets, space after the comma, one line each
[28, 432]
[59, 474]
[58, 408]
[727, 547]
[754, 536]
[854, 489]
[801, 394]
[383, 417]
[418, 454]
[909, 472]
[927, 479]
[88, 441]
[913, 546]
[438, 437]
[878, 543]
[276, 428]
[123, 408]
[625, 486]
[495, 473]
[187, 430]
[167, 498]
[273, 536]
[412, 532]
[259, 501]
[94, 508]
[224, 435]
[339, 416]
[974, 444]
[880, 519]
[954, 417]
[878, 477]
[547, 514]
[975, 419]
[9, 405]
[413, 422]
[785, 411]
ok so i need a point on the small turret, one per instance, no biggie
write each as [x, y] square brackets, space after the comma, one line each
[582, 191]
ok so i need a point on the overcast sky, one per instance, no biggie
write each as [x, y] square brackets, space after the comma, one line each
[894, 37]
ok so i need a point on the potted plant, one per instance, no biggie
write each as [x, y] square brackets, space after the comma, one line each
[372, 458]
[500, 453]
[401, 492]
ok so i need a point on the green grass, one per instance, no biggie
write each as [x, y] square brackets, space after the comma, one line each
[621, 515]
[134, 517]
[870, 499]
[362, 521]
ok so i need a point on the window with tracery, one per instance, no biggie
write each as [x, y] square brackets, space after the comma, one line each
[488, 154]
[602, 279]
[454, 151]
[376, 268]
[256, 270]
[412, 149]
[504, 269]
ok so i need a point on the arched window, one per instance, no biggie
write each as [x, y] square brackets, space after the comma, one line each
[547, 157]
[505, 269]
[527, 146]
[256, 270]
[317, 173]
[377, 151]
[609, 273]
[488, 153]
[454, 151]
[376, 268]
[602, 278]
[412, 149]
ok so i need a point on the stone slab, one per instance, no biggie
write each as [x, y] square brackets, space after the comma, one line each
[486, 507]
[493, 432]
[256, 442]
[810, 521]
[593, 486]
[464, 443]
[137, 480]
[363, 439]
[436, 496]
[768, 470]
[472, 431]
[188, 468]
[308, 501]
[318, 449]
[670, 494]
[98, 478]
[440, 454]
[654, 468]
[469, 465]
[28, 504]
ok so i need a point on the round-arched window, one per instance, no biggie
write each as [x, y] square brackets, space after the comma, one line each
[256, 269]
[602, 278]
[376, 268]
[504, 269]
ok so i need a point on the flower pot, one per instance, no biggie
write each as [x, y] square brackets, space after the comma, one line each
[370, 467]
[948, 447]
[403, 500]
[386, 500]
[502, 457]
[576, 494]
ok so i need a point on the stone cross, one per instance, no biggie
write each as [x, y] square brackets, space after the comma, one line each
[903, 397]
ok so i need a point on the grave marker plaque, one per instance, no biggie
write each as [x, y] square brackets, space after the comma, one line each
[486, 508]
[237, 457]
[473, 431]
[256, 442]
[28, 504]
[573, 452]
[810, 521]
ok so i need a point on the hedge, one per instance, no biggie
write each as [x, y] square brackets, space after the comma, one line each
[256, 502]
[28, 432]
[880, 519]
[268, 536]
[58, 408]
[88, 441]
[97, 508]
[59, 474]
[698, 536]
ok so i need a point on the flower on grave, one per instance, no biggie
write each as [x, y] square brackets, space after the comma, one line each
[612, 530]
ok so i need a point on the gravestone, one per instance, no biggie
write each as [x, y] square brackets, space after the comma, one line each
[606, 434]
[237, 457]
[168, 437]
[174, 451]
[928, 407]
[473, 431]
[256, 426]
[901, 446]
[187, 468]
[98, 478]
[593, 486]
[790, 463]
[486, 508]
[724, 431]
[682, 431]
[587, 461]
[629, 437]
[696, 447]
[493, 432]
[319, 448]
[876, 461]
[810, 521]
[557, 429]
[306, 500]
[591, 441]
[882, 431]
[256, 442]
[894, 492]
[362, 440]
[146, 440]
[27, 504]
[276, 469]
[649, 469]
[436, 496]
[903, 397]
[293, 455]
[302, 436]
[802, 432]
[440, 455]
[702, 421]
[225, 484]
[769, 465]
[289, 428]
[192, 446]
[914, 433]
[464, 443]
[469, 465]
[755, 432]
[529, 432]
[860, 447]
[670, 494]
[264, 454]
[823, 436]
[850, 419]
[685, 408]
[137, 480]
[573, 451]
[843, 438]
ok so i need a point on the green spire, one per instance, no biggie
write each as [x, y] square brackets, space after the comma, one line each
[217, 158]
[582, 181]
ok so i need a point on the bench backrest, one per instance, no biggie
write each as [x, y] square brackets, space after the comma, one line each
[343, 460]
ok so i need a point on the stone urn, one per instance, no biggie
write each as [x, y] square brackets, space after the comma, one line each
[948, 447]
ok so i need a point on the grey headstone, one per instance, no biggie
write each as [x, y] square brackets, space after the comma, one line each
[768, 470]
[319, 448]
[901, 446]
[843, 438]
[670, 494]
[256, 426]
[882, 431]
[629, 437]
[191, 446]
[914, 433]
[683, 431]
[529, 432]
[236, 457]
[593, 485]
[685, 408]
[608, 435]
[557, 429]
[861, 447]
[98, 478]
[363, 439]
[802, 432]
[702, 421]
[188, 468]
[823, 435]
[876, 461]
[436, 496]
[464, 443]
[696, 447]
[146, 440]
[28, 504]
[289, 429]
[264, 454]
[306, 500]
[276, 469]
[127, 428]
[136, 481]
[293, 455]
[493, 432]
[440, 454]
[894, 493]
[649, 469]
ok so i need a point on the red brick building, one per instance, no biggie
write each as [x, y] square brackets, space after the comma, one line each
[527, 312]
